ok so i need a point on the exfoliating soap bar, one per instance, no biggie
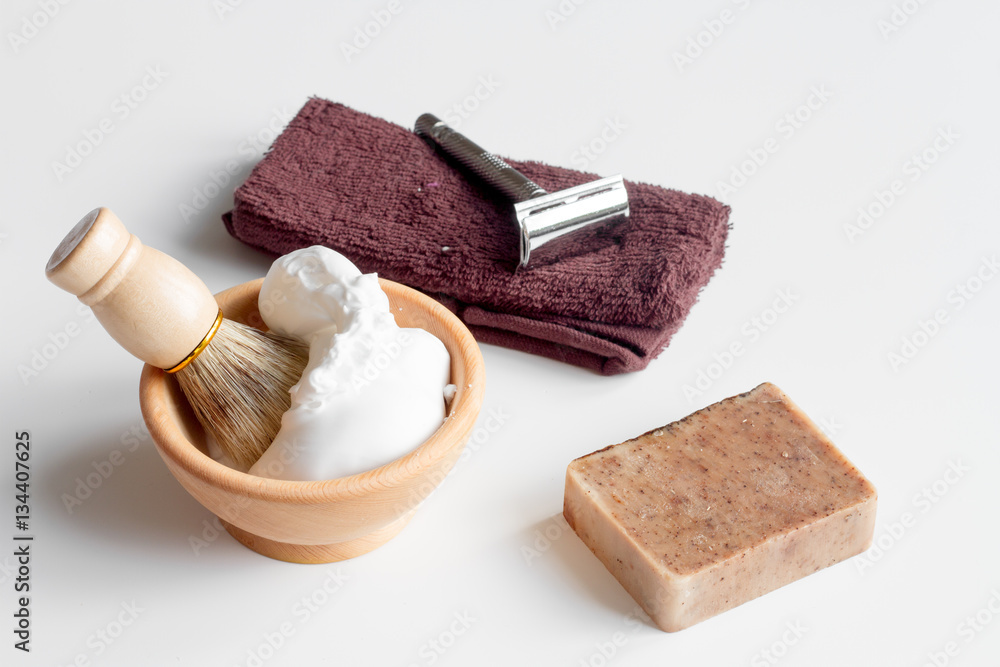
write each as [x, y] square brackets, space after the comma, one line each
[727, 504]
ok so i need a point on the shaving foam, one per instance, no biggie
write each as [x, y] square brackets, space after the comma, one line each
[371, 392]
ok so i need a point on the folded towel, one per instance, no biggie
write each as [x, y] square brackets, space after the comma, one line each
[378, 194]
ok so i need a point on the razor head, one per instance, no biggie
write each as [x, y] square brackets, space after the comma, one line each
[591, 206]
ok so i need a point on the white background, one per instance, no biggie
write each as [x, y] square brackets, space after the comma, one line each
[478, 548]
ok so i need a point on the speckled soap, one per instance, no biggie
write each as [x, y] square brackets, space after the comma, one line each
[727, 504]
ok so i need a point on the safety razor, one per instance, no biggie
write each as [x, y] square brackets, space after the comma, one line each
[541, 217]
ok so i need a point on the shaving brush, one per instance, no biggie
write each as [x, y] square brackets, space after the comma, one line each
[235, 377]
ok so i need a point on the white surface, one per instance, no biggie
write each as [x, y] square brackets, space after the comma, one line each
[220, 81]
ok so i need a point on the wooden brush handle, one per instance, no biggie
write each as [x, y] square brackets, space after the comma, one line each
[153, 305]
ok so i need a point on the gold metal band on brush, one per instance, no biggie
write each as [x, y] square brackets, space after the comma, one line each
[201, 346]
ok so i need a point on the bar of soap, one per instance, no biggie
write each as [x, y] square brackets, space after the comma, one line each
[716, 509]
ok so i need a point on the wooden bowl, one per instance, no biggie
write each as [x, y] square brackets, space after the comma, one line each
[322, 521]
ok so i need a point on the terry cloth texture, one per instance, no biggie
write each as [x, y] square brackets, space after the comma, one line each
[377, 193]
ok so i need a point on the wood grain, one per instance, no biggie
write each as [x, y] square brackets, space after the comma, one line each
[153, 305]
[327, 520]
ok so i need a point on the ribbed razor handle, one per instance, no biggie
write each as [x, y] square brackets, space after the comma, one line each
[495, 172]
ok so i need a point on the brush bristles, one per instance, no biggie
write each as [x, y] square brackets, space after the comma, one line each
[238, 387]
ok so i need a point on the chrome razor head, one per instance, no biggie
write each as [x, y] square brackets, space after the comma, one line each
[548, 217]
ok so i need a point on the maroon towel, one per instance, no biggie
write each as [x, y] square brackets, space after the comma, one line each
[377, 193]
